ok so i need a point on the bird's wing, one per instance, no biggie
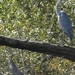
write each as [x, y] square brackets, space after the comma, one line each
[65, 23]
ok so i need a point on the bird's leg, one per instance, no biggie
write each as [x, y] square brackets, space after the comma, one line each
[62, 42]
[63, 38]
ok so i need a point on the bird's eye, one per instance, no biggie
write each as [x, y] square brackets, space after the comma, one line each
[59, 13]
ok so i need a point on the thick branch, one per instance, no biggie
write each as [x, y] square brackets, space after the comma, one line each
[66, 52]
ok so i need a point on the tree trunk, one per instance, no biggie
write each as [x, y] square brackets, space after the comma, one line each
[65, 52]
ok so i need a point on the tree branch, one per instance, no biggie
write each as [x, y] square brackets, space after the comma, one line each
[65, 52]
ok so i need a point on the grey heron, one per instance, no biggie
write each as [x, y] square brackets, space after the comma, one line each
[14, 70]
[64, 21]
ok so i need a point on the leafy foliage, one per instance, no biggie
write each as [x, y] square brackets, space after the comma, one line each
[34, 20]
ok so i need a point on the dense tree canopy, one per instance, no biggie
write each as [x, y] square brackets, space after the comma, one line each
[34, 20]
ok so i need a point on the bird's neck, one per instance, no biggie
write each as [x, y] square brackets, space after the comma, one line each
[57, 9]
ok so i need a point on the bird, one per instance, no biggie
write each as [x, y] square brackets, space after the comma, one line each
[14, 70]
[64, 21]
